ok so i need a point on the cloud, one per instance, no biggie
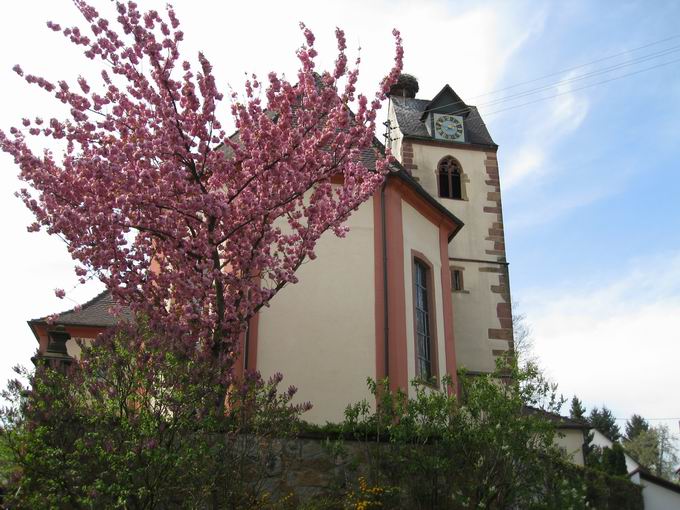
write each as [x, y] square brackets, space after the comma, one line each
[547, 126]
[547, 208]
[614, 341]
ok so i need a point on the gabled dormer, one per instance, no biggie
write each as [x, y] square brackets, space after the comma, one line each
[444, 116]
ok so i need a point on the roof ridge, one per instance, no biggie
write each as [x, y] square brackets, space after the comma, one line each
[77, 308]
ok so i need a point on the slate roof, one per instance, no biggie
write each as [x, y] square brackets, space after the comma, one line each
[93, 313]
[561, 421]
[410, 111]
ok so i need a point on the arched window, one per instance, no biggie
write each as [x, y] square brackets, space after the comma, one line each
[423, 319]
[449, 178]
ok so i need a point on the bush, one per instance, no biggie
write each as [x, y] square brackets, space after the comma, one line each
[141, 428]
[482, 450]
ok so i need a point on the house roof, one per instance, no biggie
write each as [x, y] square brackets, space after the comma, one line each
[562, 422]
[657, 480]
[96, 312]
[411, 114]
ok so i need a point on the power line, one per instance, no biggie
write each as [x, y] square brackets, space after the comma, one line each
[584, 87]
[650, 419]
[596, 72]
[578, 66]
[573, 79]
[468, 109]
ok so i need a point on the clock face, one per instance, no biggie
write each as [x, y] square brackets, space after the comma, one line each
[448, 127]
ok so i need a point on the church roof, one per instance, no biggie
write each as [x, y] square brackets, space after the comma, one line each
[93, 313]
[411, 115]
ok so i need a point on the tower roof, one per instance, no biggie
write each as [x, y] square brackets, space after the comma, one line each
[411, 115]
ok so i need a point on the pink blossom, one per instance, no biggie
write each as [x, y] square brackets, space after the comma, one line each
[59, 293]
[180, 221]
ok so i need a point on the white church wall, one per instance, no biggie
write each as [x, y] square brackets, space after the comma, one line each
[320, 332]
[475, 309]
[422, 236]
[474, 312]
[469, 242]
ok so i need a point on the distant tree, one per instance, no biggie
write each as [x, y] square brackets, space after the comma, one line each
[644, 448]
[635, 426]
[577, 411]
[668, 452]
[654, 448]
[603, 420]
[522, 339]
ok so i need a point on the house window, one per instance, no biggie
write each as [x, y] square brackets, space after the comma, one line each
[423, 320]
[457, 280]
[449, 178]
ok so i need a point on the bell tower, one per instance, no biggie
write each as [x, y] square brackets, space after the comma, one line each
[444, 144]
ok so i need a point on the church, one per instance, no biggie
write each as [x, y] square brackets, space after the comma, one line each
[418, 288]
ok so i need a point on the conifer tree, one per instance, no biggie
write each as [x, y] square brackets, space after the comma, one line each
[635, 426]
[577, 411]
[603, 420]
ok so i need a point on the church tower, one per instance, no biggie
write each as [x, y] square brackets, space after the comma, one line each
[444, 144]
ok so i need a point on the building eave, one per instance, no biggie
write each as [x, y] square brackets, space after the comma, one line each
[461, 145]
[657, 480]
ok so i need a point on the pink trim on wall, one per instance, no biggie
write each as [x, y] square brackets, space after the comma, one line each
[398, 360]
[397, 369]
[252, 342]
[41, 332]
[247, 341]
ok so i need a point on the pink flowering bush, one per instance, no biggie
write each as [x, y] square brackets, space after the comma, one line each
[150, 179]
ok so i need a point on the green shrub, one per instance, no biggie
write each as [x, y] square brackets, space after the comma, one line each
[141, 428]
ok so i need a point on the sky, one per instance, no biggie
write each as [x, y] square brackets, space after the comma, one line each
[590, 177]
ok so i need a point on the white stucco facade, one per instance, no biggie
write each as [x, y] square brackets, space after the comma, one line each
[657, 494]
[570, 440]
[421, 240]
[320, 332]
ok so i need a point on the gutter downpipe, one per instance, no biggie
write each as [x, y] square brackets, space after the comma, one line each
[386, 314]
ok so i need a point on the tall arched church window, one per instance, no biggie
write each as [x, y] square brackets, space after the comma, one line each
[449, 176]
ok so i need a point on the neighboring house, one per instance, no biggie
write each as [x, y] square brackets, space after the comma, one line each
[419, 287]
[571, 436]
[599, 439]
[657, 493]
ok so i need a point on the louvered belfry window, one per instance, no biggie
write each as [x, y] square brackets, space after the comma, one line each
[422, 318]
[449, 175]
